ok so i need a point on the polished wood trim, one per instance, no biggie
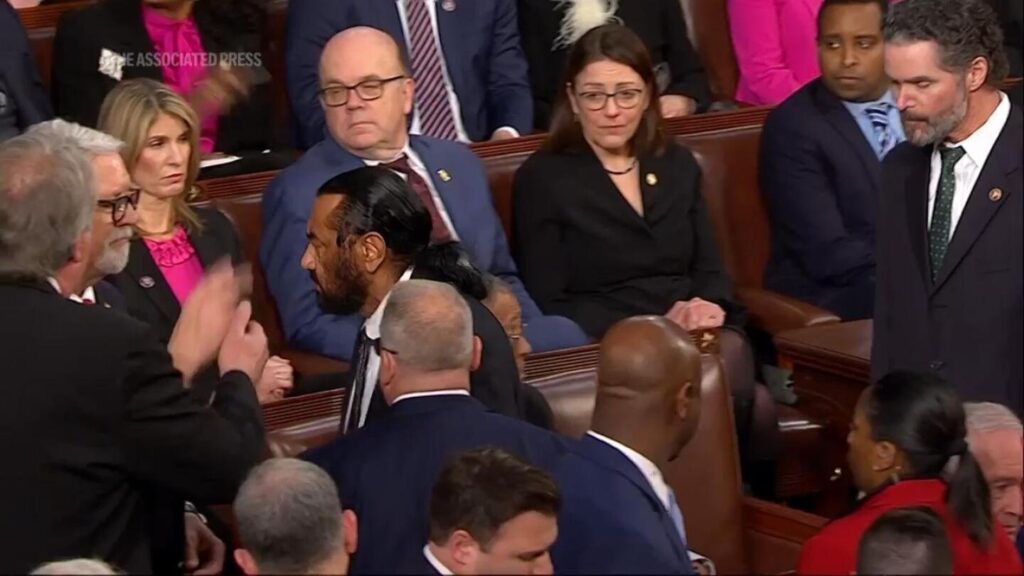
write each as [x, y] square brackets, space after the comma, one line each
[40, 17]
[309, 407]
[779, 521]
[236, 186]
[843, 348]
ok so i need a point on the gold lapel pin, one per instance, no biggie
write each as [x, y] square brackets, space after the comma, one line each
[652, 179]
[444, 175]
[995, 194]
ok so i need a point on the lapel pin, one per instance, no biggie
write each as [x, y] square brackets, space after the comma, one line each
[444, 175]
[652, 179]
[995, 194]
[105, 305]
[448, 5]
[147, 282]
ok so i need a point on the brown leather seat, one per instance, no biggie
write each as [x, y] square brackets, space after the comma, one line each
[707, 25]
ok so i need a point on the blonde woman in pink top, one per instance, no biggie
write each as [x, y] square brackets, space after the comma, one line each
[174, 241]
[776, 47]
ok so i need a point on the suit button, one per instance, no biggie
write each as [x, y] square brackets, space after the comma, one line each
[937, 365]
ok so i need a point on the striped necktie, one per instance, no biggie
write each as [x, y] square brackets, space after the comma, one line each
[942, 211]
[436, 118]
[879, 116]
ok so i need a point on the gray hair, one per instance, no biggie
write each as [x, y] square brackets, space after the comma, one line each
[429, 325]
[92, 142]
[78, 566]
[289, 516]
[47, 199]
[963, 29]
[495, 287]
[989, 417]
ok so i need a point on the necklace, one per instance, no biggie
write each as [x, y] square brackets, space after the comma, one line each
[622, 172]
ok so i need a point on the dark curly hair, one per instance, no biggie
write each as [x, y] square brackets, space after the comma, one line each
[963, 29]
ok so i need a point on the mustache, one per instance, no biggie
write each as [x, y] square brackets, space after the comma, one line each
[913, 118]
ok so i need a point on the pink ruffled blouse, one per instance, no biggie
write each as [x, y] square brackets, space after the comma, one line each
[177, 259]
[182, 57]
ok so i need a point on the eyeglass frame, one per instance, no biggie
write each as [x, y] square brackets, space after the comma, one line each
[612, 95]
[356, 87]
[121, 204]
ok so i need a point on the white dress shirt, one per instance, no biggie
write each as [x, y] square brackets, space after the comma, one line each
[431, 394]
[372, 329]
[453, 98]
[417, 166]
[977, 148]
[441, 568]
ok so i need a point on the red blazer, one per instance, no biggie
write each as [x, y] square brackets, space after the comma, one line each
[834, 549]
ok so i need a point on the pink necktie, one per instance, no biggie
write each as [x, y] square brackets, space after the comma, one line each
[436, 117]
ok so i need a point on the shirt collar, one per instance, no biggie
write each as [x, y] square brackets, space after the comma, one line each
[56, 285]
[431, 393]
[407, 151]
[647, 468]
[979, 144]
[372, 324]
[860, 107]
[441, 568]
[89, 294]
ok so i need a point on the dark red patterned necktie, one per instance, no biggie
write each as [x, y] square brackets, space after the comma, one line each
[439, 234]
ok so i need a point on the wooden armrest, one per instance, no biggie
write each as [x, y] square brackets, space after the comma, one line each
[309, 364]
[775, 534]
[774, 313]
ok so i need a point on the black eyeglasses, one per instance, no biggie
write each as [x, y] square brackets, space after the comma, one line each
[627, 98]
[119, 206]
[368, 90]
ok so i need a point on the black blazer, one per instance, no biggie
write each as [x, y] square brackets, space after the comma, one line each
[584, 253]
[659, 23]
[116, 25]
[148, 295]
[495, 384]
[386, 470]
[820, 178]
[967, 326]
[19, 77]
[98, 427]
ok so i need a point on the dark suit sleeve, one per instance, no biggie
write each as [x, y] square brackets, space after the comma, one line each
[688, 77]
[77, 87]
[177, 443]
[804, 211]
[543, 262]
[496, 383]
[311, 23]
[19, 71]
[509, 100]
[891, 188]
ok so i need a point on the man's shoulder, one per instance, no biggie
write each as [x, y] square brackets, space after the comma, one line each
[437, 149]
[801, 109]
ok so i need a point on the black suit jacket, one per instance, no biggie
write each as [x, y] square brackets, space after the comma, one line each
[967, 326]
[584, 253]
[820, 178]
[495, 384]
[386, 470]
[116, 25]
[97, 427]
[147, 293]
[659, 23]
[18, 72]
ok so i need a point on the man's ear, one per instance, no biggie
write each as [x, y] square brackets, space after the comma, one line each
[388, 368]
[408, 95]
[683, 398]
[977, 74]
[373, 250]
[350, 524]
[478, 352]
[246, 562]
[463, 550]
[83, 245]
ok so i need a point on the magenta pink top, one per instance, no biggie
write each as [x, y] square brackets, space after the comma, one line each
[177, 259]
[183, 60]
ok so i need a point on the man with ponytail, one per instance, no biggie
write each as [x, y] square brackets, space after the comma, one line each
[908, 447]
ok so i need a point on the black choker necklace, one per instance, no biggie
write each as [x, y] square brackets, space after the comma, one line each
[622, 172]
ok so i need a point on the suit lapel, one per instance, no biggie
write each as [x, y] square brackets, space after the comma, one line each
[916, 191]
[982, 204]
[144, 271]
[844, 123]
[206, 246]
[446, 180]
[608, 457]
[451, 32]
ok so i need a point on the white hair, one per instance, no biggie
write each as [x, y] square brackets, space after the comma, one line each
[989, 417]
[92, 142]
[82, 566]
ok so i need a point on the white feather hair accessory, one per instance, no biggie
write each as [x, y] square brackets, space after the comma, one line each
[581, 16]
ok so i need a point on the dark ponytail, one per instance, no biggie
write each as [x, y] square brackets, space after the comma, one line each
[922, 415]
[449, 263]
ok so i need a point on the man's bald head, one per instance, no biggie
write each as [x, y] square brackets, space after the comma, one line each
[649, 375]
[370, 121]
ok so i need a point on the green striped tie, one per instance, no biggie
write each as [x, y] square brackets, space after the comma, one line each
[938, 232]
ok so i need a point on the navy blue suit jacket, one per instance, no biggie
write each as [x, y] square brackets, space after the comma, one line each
[287, 204]
[820, 179]
[479, 38]
[386, 470]
[611, 521]
[18, 71]
[968, 325]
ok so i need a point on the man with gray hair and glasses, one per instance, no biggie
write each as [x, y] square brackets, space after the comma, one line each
[386, 470]
[290, 521]
[97, 419]
[996, 439]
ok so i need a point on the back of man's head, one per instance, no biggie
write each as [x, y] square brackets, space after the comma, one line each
[76, 567]
[906, 541]
[290, 521]
[46, 203]
[427, 328]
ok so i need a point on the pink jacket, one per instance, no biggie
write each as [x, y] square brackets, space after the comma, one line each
[776, 47]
